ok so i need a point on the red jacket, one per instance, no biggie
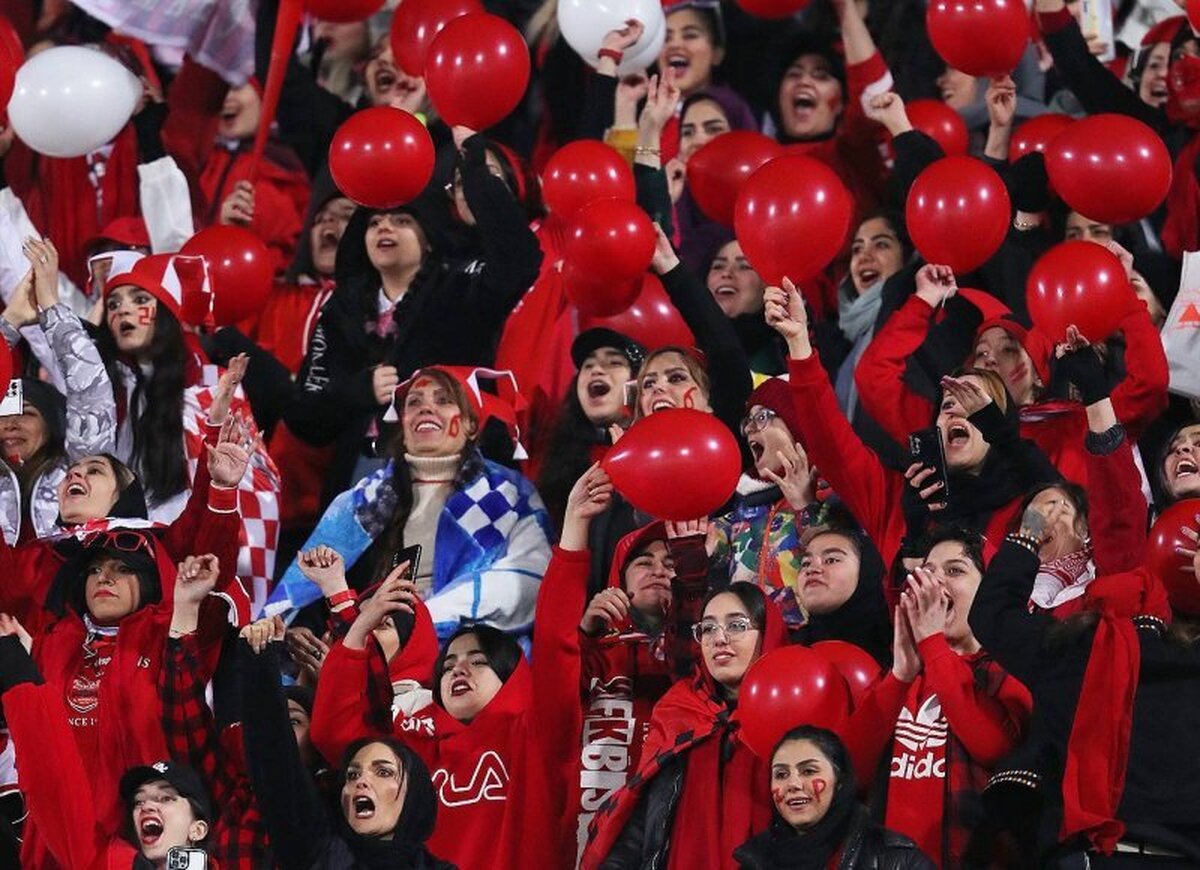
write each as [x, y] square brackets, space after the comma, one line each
[209, 524]
[71, 203]
[58, 788]
[627, 671]
[502, 779]
[954, 723]
[1058, 428]
[723, 801]
[281, 194]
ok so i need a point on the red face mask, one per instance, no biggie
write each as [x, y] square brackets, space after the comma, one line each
[1183, 91]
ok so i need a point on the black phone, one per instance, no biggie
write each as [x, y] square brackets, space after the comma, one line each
[925, 447]
[412, 555]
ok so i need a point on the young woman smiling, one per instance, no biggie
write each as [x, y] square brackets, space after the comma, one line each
[815, 821]
[51, 432]
[698, 791]
[428, 494]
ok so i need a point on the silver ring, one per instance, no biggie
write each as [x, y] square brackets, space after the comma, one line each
[45, 259]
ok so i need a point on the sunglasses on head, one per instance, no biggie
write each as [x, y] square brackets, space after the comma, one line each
[122, 540]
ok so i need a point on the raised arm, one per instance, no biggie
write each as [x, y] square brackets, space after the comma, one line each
[293, 811]
[855, 472]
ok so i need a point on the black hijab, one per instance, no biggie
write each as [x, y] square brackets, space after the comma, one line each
[863, 619]
[417, 818]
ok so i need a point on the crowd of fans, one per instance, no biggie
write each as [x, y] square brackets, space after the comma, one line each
[348, 585]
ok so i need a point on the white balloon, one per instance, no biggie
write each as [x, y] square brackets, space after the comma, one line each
[585, 22]
[643, 54]
[71, 100]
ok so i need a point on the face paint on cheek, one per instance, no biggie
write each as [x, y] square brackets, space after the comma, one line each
[689, 398]
[818, 788]
[455, 426]
[145, 315]
[777, 794]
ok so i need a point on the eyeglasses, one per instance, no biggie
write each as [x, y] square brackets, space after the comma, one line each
[757, 421]
[706, 632]
[122, 540]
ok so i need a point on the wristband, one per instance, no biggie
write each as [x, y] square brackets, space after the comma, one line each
[1024, 541]
[616, 55]
[647, 149]
[341, 597]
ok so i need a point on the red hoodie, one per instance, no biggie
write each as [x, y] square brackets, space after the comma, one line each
[724, 801]
[1058, 428]
[502, 779]
[947, 730]
[626, 671]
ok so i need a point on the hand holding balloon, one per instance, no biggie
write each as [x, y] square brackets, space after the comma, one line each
[620, 40]
[665, 259]
[936, 284]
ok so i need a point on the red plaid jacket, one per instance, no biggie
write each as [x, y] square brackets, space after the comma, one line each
[238, 838]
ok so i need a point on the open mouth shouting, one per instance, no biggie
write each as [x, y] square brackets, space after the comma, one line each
[460, 687]
[958, 435]
[662, 403]
[868, 276]
[363, 806]
[77, 489]
[1186, 470]
[678, 64]
[150, 830]
[804, 103]
[757, 447]
[598, 389]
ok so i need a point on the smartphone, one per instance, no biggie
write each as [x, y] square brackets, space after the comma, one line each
[412, 555]
[13, 402]
[925, 447]
[184, 858]
[1096, 19]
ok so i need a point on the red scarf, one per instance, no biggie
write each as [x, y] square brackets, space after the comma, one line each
[1098, 749]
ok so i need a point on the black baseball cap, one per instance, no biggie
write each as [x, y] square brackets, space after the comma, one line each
[591, 340]
[180, 777]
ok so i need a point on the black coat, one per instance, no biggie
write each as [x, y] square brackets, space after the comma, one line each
[452, 314]
[1161, 800]
[865, 847]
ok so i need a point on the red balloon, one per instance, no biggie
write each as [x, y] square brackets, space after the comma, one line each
[792, 218]
[676, 464]
[476, 70]
[958, 213]
[652, 321]
[1036, 134]
[981, 37]
[415, 25]
[854, 663]
[1183, 587]
[239, 266]
[940, 123]
[773, 8]
[1078, 283]
[381, 157]
[343, 11]
[583, 171]
[786, 688]
[717, 171]
[1110, 168]
[608, 246]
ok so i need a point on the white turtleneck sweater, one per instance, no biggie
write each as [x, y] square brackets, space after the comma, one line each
[432, 482]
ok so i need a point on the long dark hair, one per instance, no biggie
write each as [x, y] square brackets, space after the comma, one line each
[568, 454]
[158, 451]
[401, 482]
[502, 652]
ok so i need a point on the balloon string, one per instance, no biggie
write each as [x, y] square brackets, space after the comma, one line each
[287, 22]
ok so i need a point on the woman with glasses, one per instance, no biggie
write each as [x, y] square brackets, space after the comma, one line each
[112, 607]
[699, 792]
[759, 539]
[407, 295]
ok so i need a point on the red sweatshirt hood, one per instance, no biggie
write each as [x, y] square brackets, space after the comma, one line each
[419, 656]
[628, 546]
